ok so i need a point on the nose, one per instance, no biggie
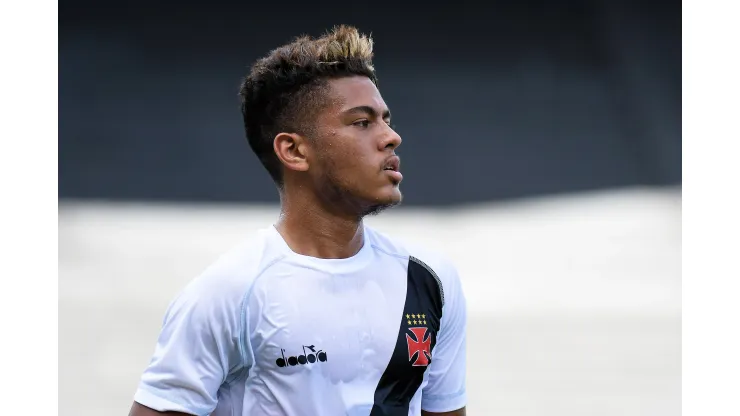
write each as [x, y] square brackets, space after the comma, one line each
[391, 140]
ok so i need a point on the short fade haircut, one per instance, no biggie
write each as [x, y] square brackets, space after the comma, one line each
[285, 90]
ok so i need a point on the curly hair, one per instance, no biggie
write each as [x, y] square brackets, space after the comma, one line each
[286, 89]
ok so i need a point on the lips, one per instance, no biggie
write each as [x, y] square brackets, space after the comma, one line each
[393, 163]
[391, 167]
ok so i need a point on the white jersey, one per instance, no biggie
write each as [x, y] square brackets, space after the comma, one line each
[266, 331]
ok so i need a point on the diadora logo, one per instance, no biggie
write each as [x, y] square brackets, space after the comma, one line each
[302, 359]
[420, 344]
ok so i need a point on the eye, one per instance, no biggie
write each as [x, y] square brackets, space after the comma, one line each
[362, 123]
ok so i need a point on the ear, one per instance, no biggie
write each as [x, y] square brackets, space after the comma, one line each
[291, 149]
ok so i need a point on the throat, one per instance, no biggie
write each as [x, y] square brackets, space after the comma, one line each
[320, 236]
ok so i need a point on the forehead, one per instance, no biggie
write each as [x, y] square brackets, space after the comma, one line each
[350, 92]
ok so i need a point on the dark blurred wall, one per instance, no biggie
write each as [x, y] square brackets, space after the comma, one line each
[493, 101]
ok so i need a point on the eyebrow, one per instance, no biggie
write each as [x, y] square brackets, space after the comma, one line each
[369, 110]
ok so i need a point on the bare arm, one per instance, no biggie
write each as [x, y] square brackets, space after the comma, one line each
[140, 410]
[458, 412]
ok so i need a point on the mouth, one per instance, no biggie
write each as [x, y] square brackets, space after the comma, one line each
[392, 164]
[391, 167]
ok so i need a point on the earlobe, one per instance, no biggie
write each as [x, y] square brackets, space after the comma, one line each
[291, 149]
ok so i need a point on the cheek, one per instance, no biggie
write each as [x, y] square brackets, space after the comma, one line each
[346, 153]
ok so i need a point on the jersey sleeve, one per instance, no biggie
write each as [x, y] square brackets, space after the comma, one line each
[445, 390]
[197, 349]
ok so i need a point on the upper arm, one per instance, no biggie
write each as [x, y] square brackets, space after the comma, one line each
[197, 349]
[458, 412]
[445, 390]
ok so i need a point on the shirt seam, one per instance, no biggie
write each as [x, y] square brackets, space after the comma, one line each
[245, 344]
[388, 253]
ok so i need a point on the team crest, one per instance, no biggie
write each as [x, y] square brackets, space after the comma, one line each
[420, 343]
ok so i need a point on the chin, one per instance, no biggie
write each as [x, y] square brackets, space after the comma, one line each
[389, 195]
[383, 202]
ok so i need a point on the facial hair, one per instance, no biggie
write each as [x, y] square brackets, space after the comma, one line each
[338, 196]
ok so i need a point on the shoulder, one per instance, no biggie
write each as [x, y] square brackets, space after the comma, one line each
[225, 282]
[438, 263]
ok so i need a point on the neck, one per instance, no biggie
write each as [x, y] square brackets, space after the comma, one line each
[311, 228]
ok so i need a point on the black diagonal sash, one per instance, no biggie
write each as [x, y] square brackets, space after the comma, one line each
[417, 336]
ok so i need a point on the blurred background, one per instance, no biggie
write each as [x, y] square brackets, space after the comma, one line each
[542, 154]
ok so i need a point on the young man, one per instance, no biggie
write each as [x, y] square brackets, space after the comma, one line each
[319, 314]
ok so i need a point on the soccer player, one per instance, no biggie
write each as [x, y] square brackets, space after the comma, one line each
[317, 314]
